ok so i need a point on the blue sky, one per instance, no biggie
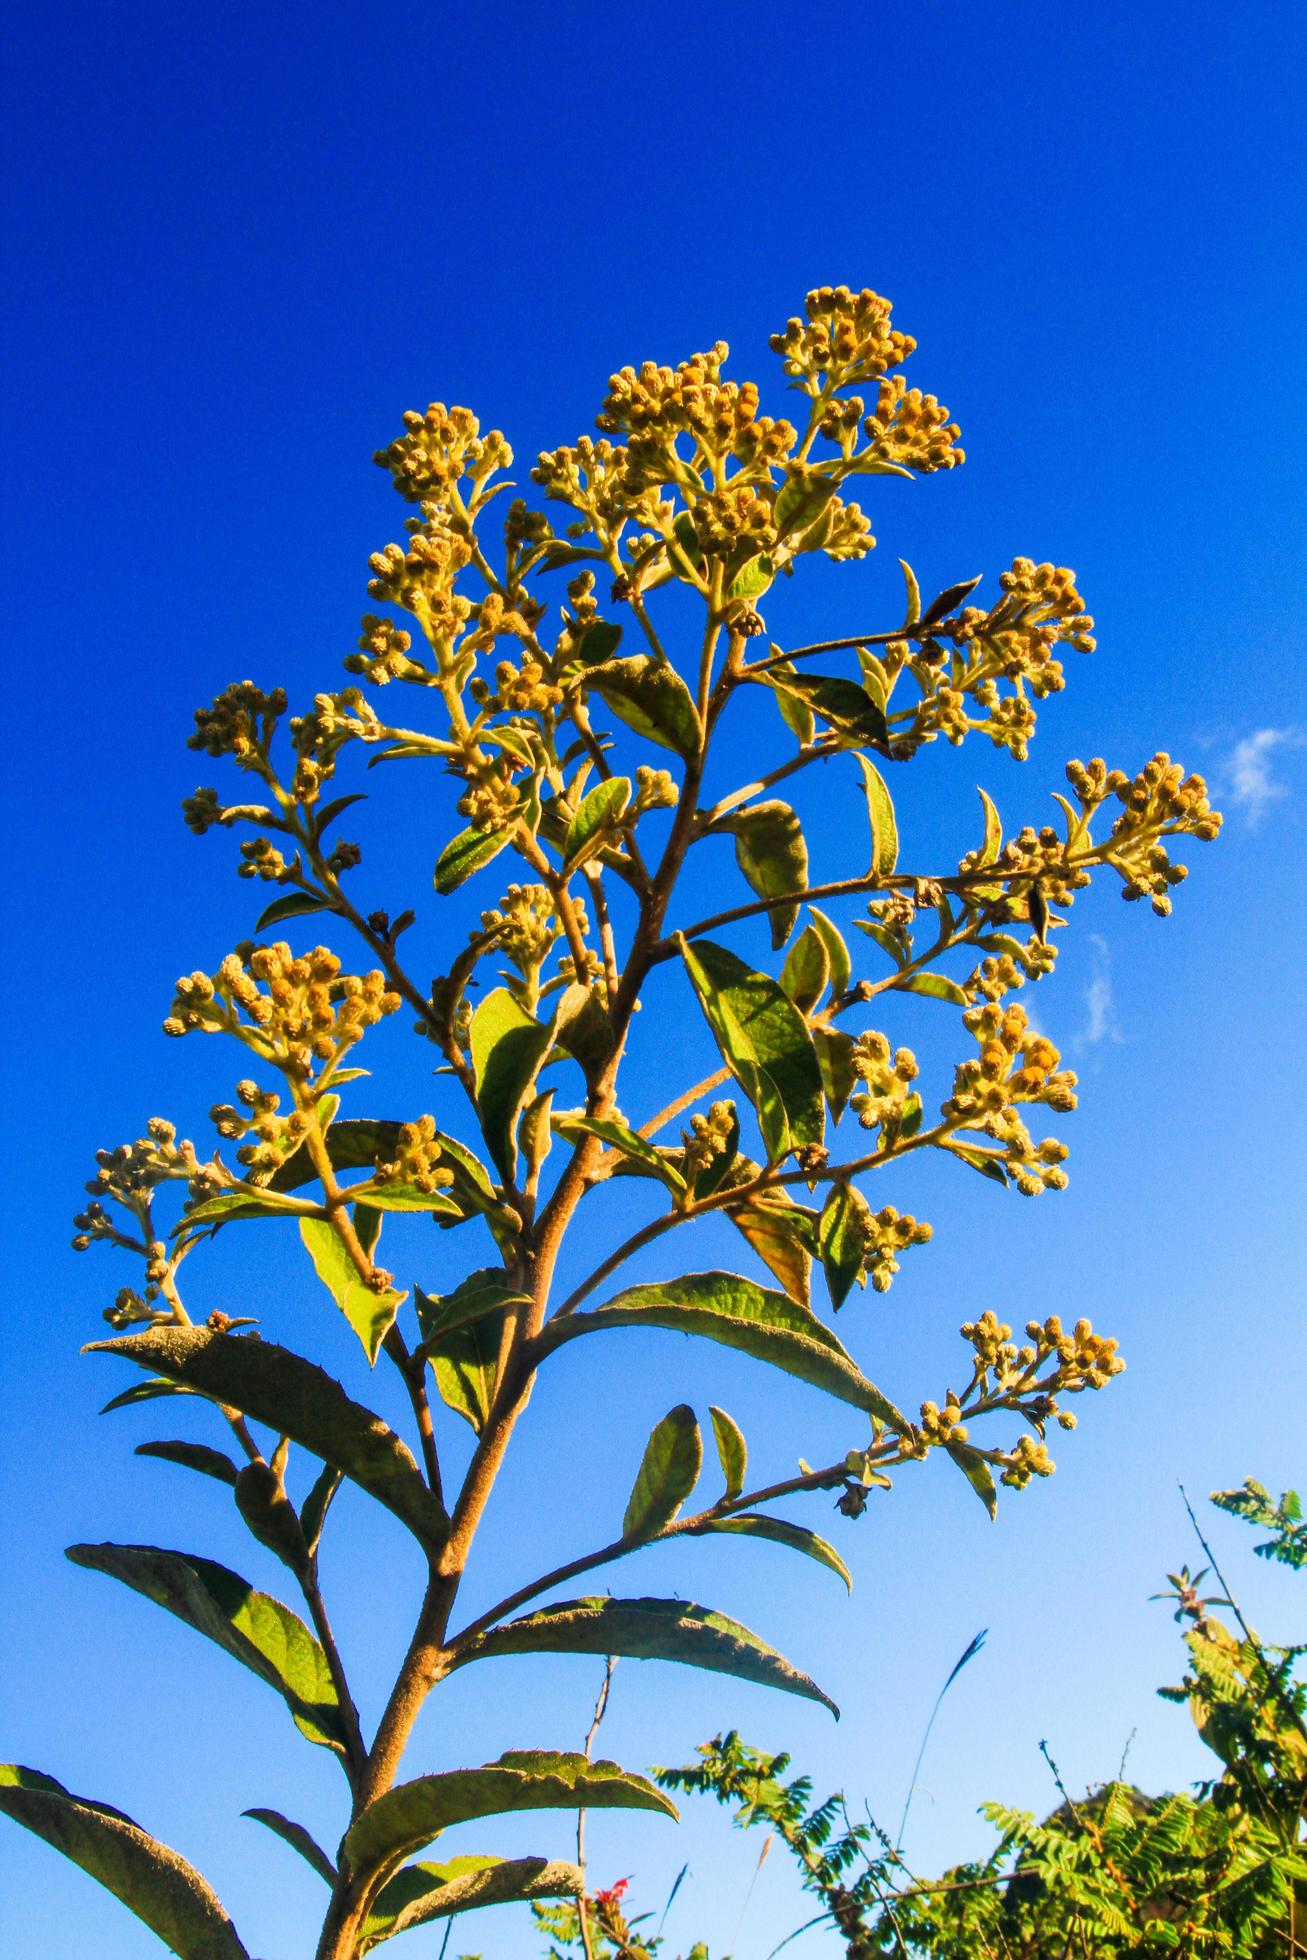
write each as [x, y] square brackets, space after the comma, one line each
[245, 240]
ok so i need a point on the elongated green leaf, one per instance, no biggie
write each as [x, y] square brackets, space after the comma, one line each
[889, 942]
[296, 905]
[145, 1392]
[913, 613]
[485, 1292]
[645, 1629]
[599, 642]
[724, 1307]
[370, 1313]
[411, 1197]
[948, 600]
[993, 828]
[749, 1524]
[583, 1028]
[987, 1162]
[835, 1060]
[466, 854]
[254, 1628]
[508, 1046]
[620, 1137]
[732, 1450]
[842, 1234]
[977, 1473]
[411, 1815]
[193, 1456]
[845, 707]
[801, 501]
[668, 1473]
[794, 711]
[650, 697]
[230, 1205]
[806, 970]
[771, 852]
[884, 824]
[464, 1360]
[270, 1516]
[596, 820]
[936, 986]
[423, 1892]
[297, 1400]
[358, 1142]
[313, 1511]
[152, 1881]
[765, 1043]
[752, 580]
[781, 1235]
[298, 1838]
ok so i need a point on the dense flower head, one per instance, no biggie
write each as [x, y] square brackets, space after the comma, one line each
[437, 449]
[1015, 1066]
[296, 1010]
[911, 429]
[414, 1158]
[240, 723]
[887, 1077]
[420, 578]
[844, 338]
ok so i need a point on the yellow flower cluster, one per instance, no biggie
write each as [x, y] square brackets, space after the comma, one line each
[298, 1010]
[319, 736]
[1160, 800]
[1015, 1066]
[525, 926]
[844, 338]
[240, 723]
[383, 652]
[490, 801]
[707, 1139]
[1026, 1459]
[272, 1139]
[415, 1158]
[910, 429]
[525, 689]
[737, 520]
[887, 1233]
[1003, 973]
[439, 448]
[887, 1078]
[421, 580]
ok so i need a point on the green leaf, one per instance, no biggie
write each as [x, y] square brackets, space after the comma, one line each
[801, 501]
[297, 1400]
[599, 642]
[152, 1881]
[410, 1197]
[781, 1235]
[806, 970]
[842, 1234]
[889, 942]
[724, 1307]
[732, 1450]
[841, 704]
[229, 1205]
[411, 1815]
[913, 613]
[145, 1392]
[884, 825]
[624, 1140]
[750, 1525]
[771, 852]
[936, 986]
[465, 854]
[369, 1313]
[835, 1059]
[669, 1471]
[327, 815]
[296, 905]
[993, 828]
[765, 1043]
[422, 1892]
[254, 1628]
[949, 600]
[508, 1046]
[794, 711]
[313, 1511]
[596, 820]
[358, 1142]
[650, 697]
[841, 966]
[583, 1028]
[480, 1295]
[977, 1473]
[270, 1516]
[752, 580]
[987, 1162]
[193, 1456]
[298, 1838]
[465, 1360]
[644, 1629]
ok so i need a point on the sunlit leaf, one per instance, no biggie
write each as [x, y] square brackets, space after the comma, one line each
[370, 1313]
[732, 1450]
[668, 1473]
[937, 986]
[618, 1136]
[765, 1043]
[749, 1524]
[420, 1893]
[884, 825]
[806, 970]
[781, 1235]
[977, 1473]
[993, 829]
[734, 1311]
[467, 853]
[835, 1052]
[841, 967]
[844, 706]
[151, 1880]
[651, 698]
[645, 1629]
[771, 852]
[297, 1400]
[842, 1234]
[596, 820]
[508, 1046]
[254, 1628]
[411, 1815]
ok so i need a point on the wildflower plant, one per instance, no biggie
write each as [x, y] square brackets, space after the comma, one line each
[585, 743]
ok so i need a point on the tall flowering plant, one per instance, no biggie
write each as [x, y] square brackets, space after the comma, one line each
[585, 743]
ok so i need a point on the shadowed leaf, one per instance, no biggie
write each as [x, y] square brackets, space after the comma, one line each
[508, 1046]
[781, 1532]
[650, 697]
[420, 1893]
[668, 1473]
[765, 1043]
[771, 852]
[298, 1838]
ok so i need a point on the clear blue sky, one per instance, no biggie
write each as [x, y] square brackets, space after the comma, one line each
[242, 240]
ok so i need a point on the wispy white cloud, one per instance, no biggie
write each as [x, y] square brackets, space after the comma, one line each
[1101, 1023]
[1249, 769]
